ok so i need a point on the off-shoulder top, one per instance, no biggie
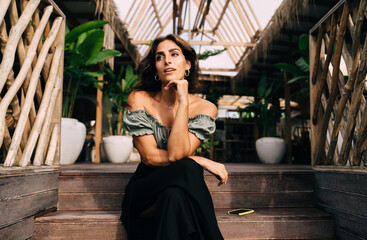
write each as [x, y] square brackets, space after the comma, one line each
[141, 122]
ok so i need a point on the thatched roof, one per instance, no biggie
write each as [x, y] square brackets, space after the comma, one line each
[280, 37]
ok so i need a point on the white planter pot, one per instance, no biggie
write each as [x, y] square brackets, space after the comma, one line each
[118, 148]
[72, 140]
[270, 150]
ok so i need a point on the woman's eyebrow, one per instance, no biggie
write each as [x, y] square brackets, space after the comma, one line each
[171, 50]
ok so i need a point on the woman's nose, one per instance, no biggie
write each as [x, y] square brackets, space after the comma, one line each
[168, 60]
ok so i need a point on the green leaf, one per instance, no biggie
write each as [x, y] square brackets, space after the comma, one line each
[92, 45]
[303, 42]
[101, 56]
[93, 74]
[303, 65]
[291, 68]
[292, 80]
[75, 59]
[77, 31]
[208, 53]
[262, 85]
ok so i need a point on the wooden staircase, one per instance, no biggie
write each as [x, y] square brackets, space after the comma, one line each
[90, 201]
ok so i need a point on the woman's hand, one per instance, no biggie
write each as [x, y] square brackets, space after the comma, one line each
[181, 86]
[217, 169]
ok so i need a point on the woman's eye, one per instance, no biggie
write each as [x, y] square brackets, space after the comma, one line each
[174, 54]
[159, 57]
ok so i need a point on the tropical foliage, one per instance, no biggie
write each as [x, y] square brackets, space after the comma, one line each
[83, 51]
[117, 89]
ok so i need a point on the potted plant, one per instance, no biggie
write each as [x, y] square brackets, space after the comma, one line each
[266, 109]
[118, 146]
[83, 51]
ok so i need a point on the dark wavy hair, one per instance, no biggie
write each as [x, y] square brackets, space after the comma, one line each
[147, 71]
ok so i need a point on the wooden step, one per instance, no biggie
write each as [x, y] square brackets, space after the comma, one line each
[267, 223]
[100, 187]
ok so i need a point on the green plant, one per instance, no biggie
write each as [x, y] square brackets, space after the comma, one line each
[266, 107]
[300, 69]
[204, 148]
[83, 51]
[117, 88]
[210, 53]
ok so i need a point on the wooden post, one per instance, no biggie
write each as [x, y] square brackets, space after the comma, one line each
[99, 109]
[288, 123]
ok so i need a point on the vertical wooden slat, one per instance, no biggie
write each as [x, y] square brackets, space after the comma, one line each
[288, 124]
[98, 128]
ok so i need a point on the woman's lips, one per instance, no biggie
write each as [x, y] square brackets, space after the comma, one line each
[169, 70]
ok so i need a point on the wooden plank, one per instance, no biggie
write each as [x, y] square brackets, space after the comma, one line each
[13, 210]
[277, 223]
[342, 181]
[20, 185]
[357, 204]
[80, 184]
[80, 225]
[22, 229]
[90, 201]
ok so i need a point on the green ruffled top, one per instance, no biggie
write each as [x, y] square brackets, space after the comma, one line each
[140, 122]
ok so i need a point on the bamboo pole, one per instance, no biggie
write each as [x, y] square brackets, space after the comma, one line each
[53, 146]
[325, 71]
[31, 91]
[23, 71]
[334, 82]
[41, 146]
[4, 8]
[15, 101]
[347, 90]
[37, 126]
[14, 37]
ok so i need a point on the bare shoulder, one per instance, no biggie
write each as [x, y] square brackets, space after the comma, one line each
[137, 100]
[202, 106]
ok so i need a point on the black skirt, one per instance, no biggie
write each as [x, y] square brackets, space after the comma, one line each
[183, 208]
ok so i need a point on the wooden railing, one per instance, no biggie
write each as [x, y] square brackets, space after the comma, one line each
[31, 72]
[338, 62]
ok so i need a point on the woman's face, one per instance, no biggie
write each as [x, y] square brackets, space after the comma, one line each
[170, 62]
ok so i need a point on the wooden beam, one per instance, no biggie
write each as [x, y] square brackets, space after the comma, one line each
[156, 13]
[221, 15]
[209, 43]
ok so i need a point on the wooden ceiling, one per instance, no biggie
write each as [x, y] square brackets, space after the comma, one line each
[231, 24]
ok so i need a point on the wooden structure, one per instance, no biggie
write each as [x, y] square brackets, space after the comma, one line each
[231, 24]
[338, 105]
[338, 61]
[31, 72]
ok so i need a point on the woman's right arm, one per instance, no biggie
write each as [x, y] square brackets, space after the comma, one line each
[146, 144]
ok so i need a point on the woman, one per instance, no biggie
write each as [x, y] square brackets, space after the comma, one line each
[167, 197]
